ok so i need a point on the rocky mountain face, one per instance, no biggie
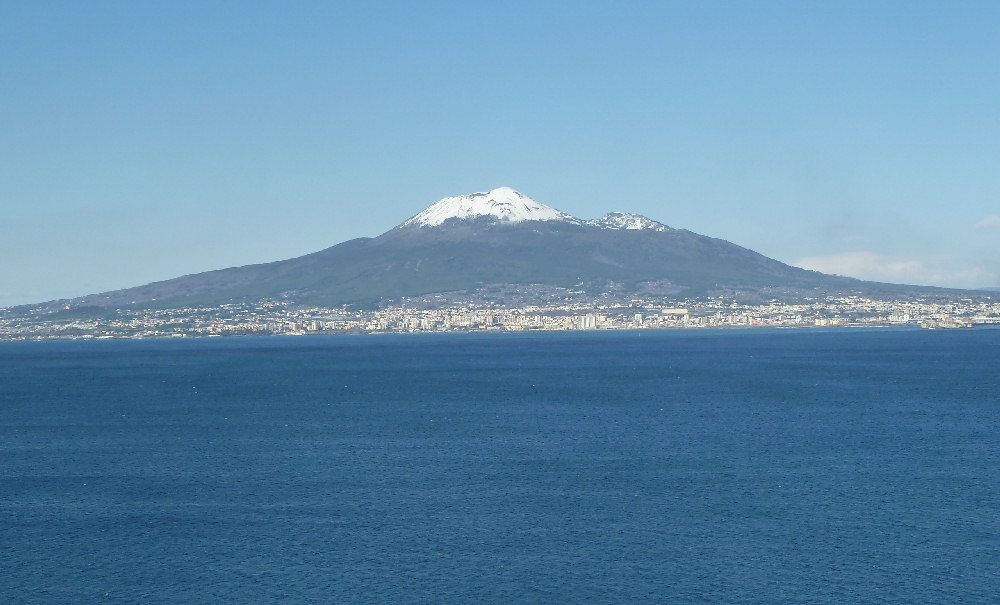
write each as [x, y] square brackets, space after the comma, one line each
[496, 237]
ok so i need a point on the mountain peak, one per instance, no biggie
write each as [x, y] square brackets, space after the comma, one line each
[627, 220]
[503, 204]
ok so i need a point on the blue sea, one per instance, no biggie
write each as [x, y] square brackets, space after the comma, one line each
[728, 466]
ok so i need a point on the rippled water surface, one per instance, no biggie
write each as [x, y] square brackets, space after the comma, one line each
[628, 467]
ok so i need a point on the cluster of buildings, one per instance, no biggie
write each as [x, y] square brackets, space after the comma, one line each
[281, 317]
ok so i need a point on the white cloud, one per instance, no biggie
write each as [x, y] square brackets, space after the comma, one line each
[990, 222]
[873, 266]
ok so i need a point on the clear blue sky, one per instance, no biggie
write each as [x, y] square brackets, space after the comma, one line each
[146, 140]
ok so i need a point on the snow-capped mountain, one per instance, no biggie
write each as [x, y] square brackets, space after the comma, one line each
[508, 206]
[503, 204]
[627, 220]
[466, 242]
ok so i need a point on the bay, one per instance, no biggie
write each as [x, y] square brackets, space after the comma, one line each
[730, 466]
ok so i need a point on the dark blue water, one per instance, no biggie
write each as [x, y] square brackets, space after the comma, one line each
[684, 466]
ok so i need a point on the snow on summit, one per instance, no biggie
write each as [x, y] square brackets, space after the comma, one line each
[627, 220]
[504, 204]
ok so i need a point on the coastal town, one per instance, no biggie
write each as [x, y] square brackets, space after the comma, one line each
[428, 315]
